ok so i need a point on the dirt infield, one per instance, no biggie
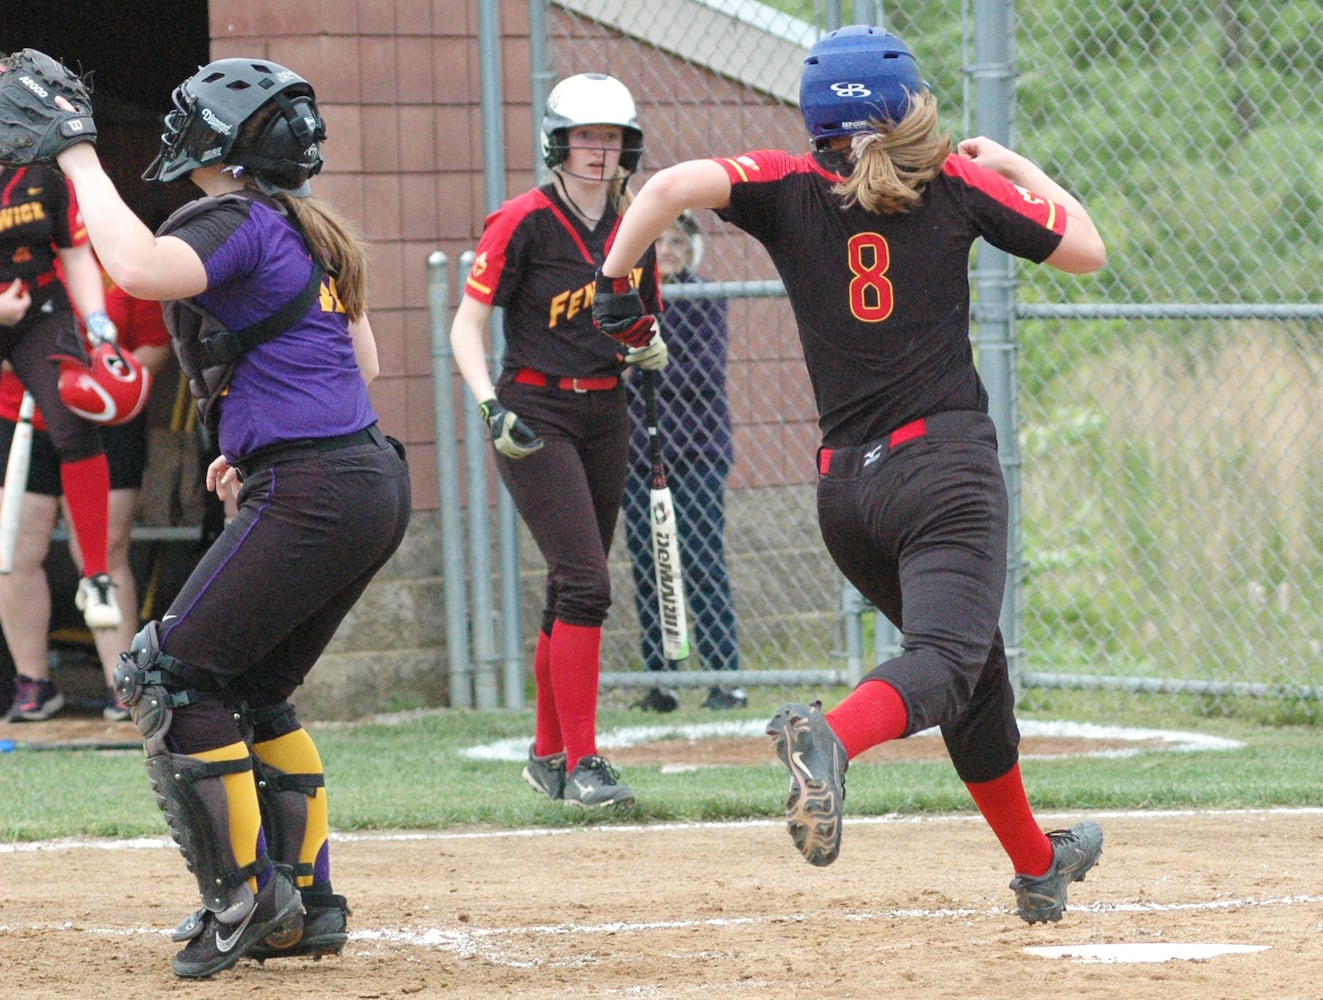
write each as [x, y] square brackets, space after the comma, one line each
[917, 907]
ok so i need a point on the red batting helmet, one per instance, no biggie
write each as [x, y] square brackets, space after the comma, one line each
[111, 390]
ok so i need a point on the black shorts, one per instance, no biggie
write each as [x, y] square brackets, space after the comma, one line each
[126, 452]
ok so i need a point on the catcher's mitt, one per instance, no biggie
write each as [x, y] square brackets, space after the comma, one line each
[32, 128]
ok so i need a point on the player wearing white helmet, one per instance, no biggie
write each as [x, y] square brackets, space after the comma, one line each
[557, 411]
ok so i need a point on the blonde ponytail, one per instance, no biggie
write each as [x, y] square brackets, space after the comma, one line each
[892, 165]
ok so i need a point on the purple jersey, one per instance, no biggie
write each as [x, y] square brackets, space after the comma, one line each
[882, 301]
[304, 383]
[539, 264]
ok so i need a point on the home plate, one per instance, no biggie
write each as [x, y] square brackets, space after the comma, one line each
[1144, 952]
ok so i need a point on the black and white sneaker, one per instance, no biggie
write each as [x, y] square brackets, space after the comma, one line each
[658, 699]
[594, 782]
[546, 774]
[213, 946]
[96, 600]
[721, 699]
[34, 701]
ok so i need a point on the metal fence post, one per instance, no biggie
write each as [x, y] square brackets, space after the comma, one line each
[447, 472]
[994, 279]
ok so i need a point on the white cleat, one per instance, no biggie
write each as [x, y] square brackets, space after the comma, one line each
[96, 600]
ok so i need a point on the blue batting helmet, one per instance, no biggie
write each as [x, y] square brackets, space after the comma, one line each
[854, 75]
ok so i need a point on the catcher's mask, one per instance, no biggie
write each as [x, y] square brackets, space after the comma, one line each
[854, 76]
[112, 389]
[590, 99]
[212, 106]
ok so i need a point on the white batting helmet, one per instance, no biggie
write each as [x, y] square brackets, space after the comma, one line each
[590, 99]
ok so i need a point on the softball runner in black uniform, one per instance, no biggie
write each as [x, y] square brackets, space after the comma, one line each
[265, 297]
[558, 413]
[871, 234]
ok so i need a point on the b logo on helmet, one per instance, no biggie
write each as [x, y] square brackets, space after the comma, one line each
[112, 389]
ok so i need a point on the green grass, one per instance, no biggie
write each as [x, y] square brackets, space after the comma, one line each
[408, 773]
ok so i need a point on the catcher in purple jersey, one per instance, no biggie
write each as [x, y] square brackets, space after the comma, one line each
[871, 233]
[265, 297]
[557, 412]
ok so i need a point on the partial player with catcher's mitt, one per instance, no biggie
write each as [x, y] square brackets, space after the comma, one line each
[33, 127]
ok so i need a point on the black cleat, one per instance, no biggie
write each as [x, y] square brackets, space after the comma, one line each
[594, 782]
[546, 774]
[1040, 898]
[213, 946]
[816, 761]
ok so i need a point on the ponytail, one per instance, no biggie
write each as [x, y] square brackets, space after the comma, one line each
[893, 164]
[338, 247]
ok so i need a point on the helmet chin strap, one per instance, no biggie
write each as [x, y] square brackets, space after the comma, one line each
[561, 173]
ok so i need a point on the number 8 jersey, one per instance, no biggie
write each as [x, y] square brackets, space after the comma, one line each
[882, 301]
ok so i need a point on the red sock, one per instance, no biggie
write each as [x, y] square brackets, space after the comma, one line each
[872, 713]
[86, 485]
[1005, 806]
[546, 740]
[576, 663]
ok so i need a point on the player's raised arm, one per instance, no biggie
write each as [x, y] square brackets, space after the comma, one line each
[1081, 249]
[692, 184]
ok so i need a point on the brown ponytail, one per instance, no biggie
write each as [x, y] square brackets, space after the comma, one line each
[337, 246]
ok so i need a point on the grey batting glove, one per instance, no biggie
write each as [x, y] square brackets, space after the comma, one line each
[652, 357]
[510, 436]
[101, 329]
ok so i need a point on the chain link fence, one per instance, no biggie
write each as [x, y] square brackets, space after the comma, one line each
[1170, 405]
[1171, 520]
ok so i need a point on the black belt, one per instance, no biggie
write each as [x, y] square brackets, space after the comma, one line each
[288, 451]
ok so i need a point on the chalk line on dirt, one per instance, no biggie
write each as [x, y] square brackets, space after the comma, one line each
[515, 749]
[494, 944]
[153, 843]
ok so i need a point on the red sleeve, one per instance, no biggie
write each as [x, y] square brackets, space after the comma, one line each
[11, 394]
[11, 397]
[140, 322]
[493, 256]
[1036, 208]
[760, 165]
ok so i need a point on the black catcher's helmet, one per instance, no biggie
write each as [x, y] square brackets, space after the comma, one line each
[212, 106]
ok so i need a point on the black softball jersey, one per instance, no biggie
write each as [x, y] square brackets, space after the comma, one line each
[882, 301]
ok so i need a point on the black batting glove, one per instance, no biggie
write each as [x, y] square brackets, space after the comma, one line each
[618, 311]
[510, 436]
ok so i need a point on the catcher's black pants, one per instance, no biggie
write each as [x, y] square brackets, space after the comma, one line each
[919, 527]
[261, 606]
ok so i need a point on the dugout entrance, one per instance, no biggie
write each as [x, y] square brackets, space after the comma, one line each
[135, 51]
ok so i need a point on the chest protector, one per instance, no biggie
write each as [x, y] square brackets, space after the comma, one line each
[206, 349]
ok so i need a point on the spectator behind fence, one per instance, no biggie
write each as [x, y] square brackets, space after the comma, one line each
[871, 233]
[694, 418]
[25, 597]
